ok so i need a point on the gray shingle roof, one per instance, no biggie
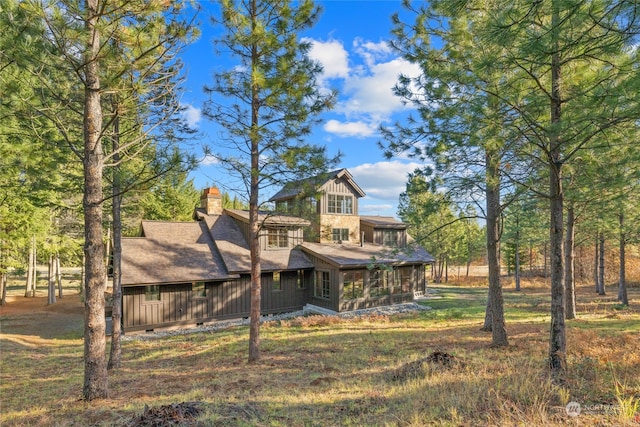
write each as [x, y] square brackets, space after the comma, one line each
[211, 249]
[171, 252]
[269, 218]
[236, 254]
[343, 255]
[382, 222]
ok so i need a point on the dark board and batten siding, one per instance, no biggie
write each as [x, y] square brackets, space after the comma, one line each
[178, 306]
[332, 303]
[288, 298]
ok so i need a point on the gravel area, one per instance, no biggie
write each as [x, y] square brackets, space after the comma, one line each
[383, 310]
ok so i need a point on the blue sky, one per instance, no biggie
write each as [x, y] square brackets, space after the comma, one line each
[350, 40]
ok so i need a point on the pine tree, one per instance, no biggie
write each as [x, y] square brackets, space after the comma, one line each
[79, 66]
[273, 102]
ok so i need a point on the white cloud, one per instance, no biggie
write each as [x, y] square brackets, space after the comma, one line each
[372, 52]
[209, 160]
[384, 180]
[191, 115]
[347, 129]
[333, 57]
[365, 82]
[371, 93]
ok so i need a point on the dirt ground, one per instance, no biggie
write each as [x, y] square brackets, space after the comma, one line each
[34, 317]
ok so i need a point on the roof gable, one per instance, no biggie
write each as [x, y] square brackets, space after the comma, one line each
[313, 184]
[236, 254]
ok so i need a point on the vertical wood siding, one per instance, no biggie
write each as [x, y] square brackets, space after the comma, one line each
[224, 300]
[337, 186]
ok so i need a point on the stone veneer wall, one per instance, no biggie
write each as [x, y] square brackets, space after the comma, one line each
[329, 222]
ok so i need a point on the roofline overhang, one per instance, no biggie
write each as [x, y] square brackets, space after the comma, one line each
[181, 282]
[373, 262]
[268, 221]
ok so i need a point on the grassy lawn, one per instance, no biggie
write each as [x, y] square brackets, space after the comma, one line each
[326, 371]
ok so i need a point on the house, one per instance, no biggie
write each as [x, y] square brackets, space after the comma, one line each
[317, 252]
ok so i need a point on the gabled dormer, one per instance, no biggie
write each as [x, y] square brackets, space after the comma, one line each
[329, 201]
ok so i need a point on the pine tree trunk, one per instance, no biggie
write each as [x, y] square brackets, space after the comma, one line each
[498, 330]
[107, 256]
[95, 366]
[3, 289]
[3, 275]
[545, 255]
[557, 335]
[58, 275]
[34, 277]
[517, 263]
[580, 267]
[622, 283]
[486, 327]
[30, 274]
[601, 288]
[51, 288]
[115, 355]
[254, 220]
[595, 264]
[569, 271]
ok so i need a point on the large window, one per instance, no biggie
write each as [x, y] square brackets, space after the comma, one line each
[282, 206]
[322, 286]
[390, 237]
[340, 234]
[353, 284]
[341, 204]
[152, 293]
[378, 283]
[277, 238]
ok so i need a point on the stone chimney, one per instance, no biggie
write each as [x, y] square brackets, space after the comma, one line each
[211, 201]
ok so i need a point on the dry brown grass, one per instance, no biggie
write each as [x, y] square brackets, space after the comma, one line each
[322, 370]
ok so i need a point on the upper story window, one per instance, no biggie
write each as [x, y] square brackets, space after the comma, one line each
[277, 238]
[341, 204]
[282, 206]
[390, 237]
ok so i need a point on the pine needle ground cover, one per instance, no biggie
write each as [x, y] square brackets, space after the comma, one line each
[428, 368]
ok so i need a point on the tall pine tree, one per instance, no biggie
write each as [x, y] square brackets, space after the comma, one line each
[266, 104]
